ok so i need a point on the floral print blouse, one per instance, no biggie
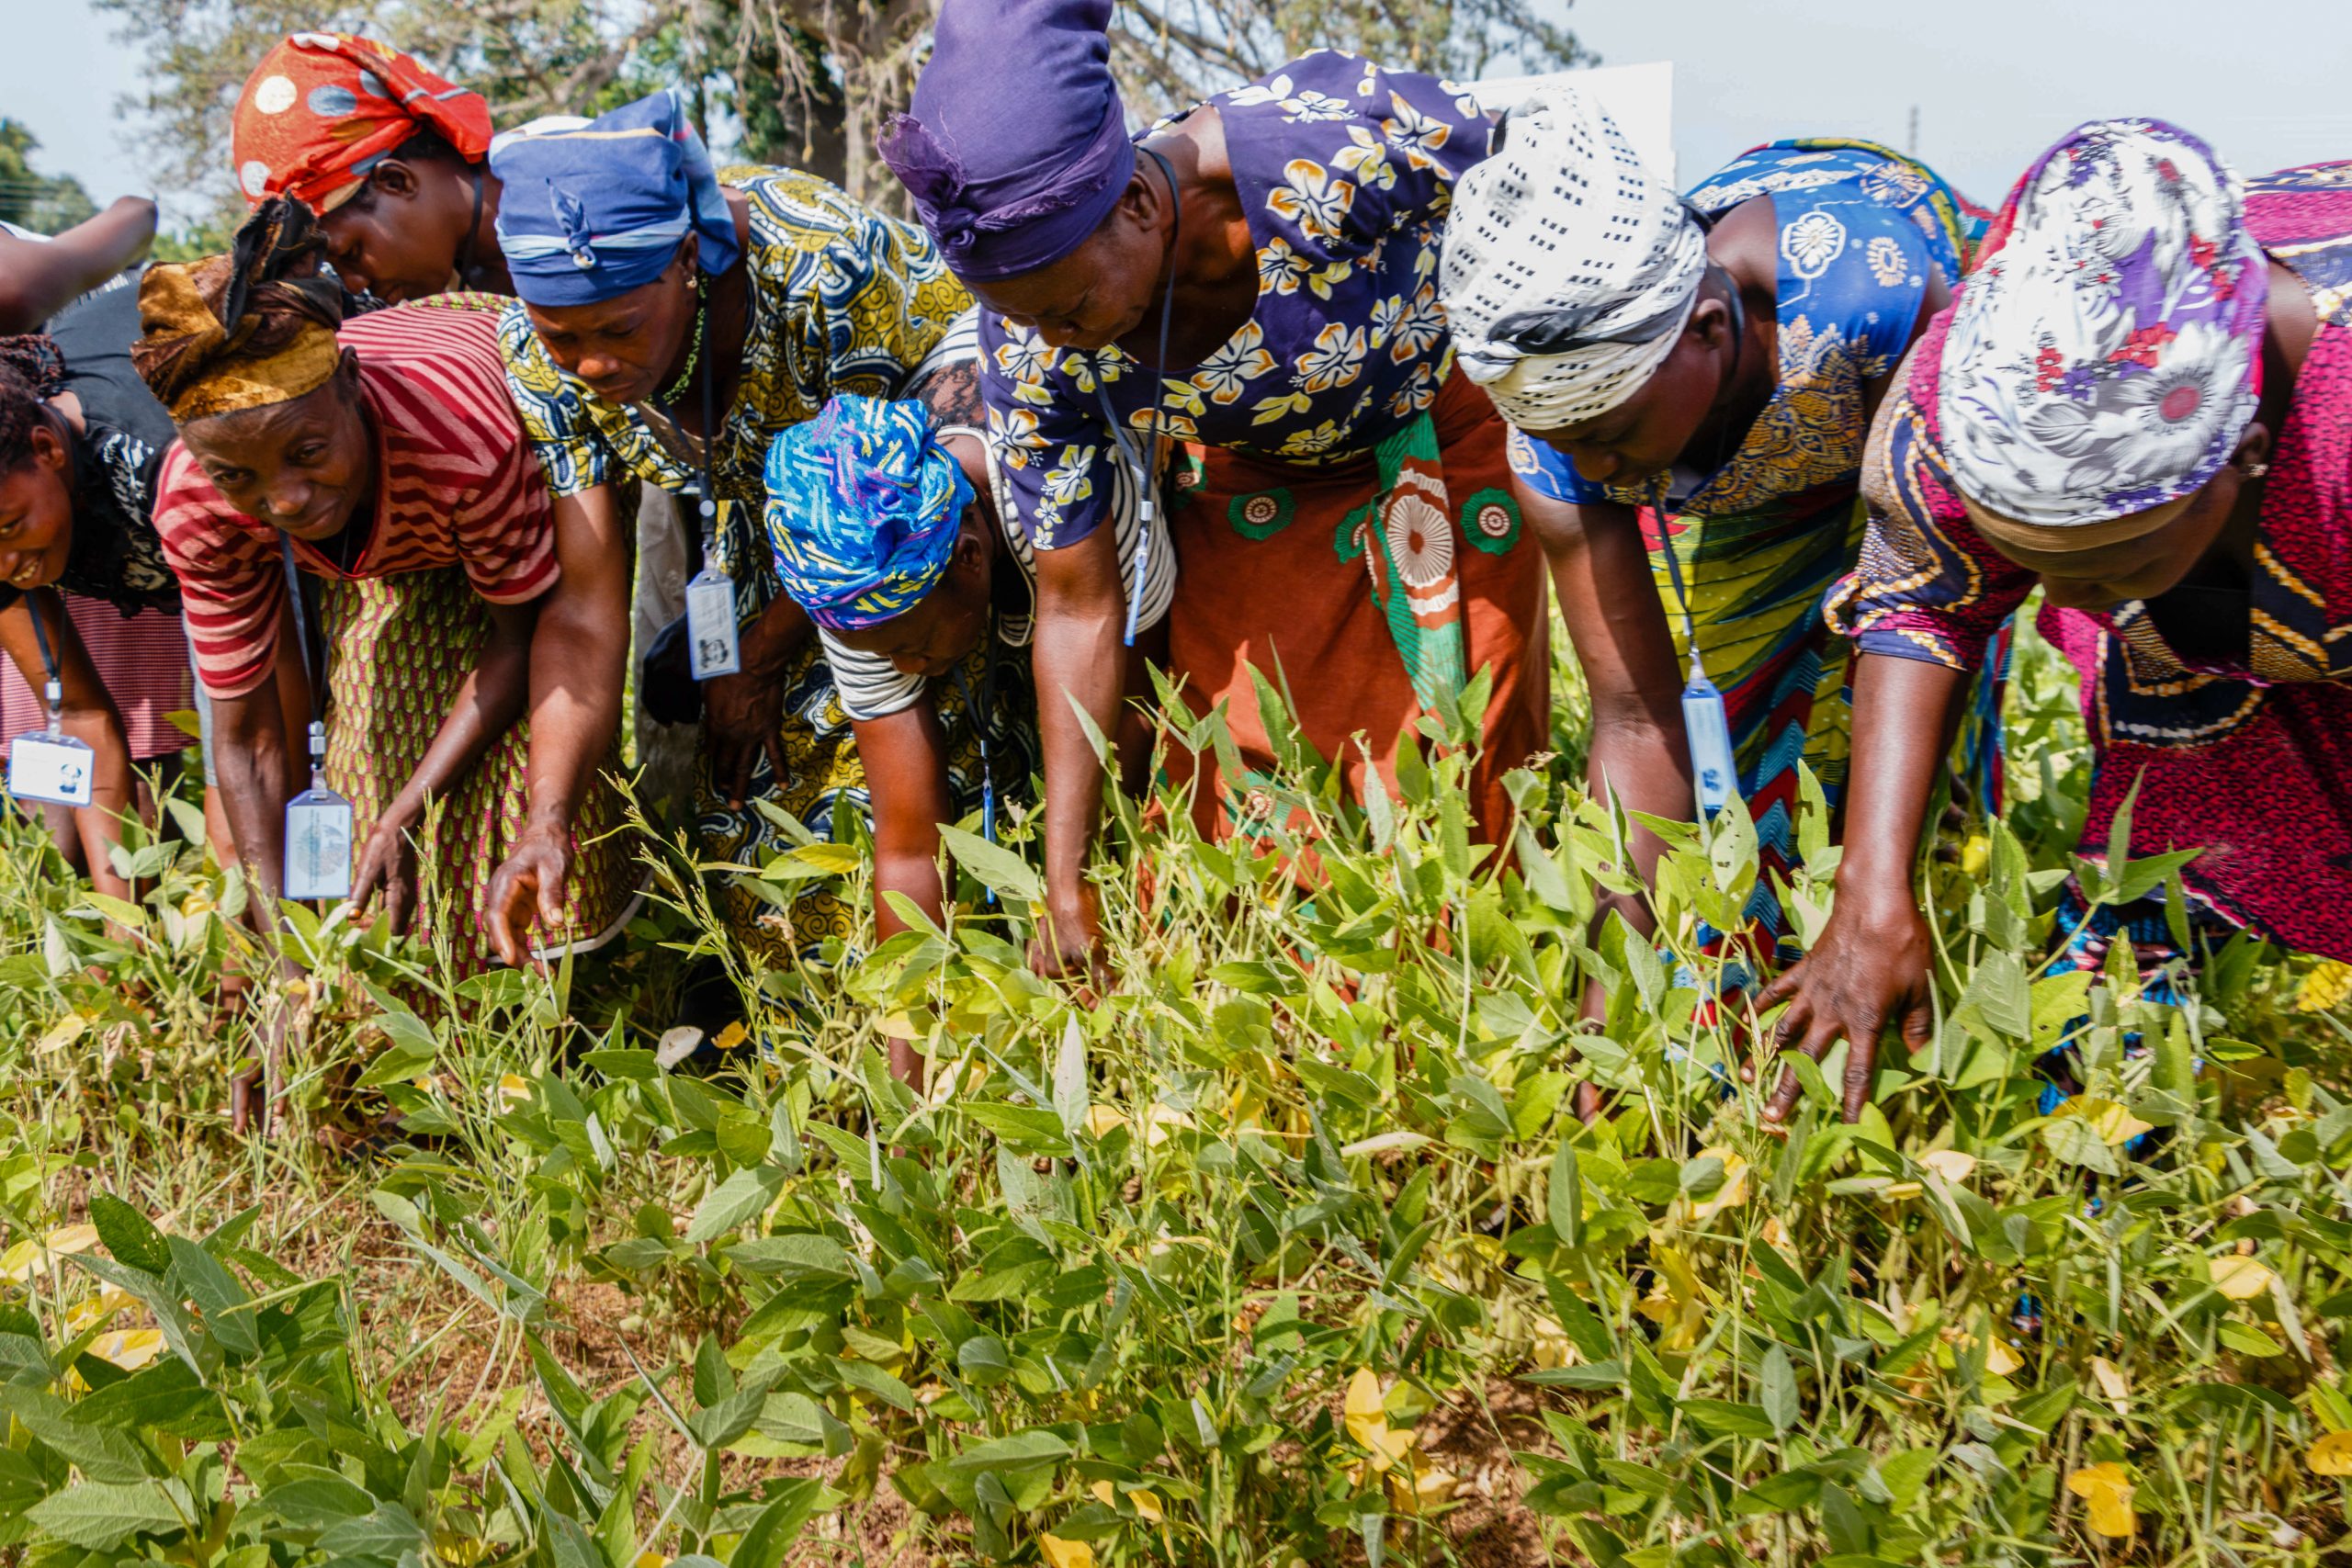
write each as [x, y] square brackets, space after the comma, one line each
[1346, 171]
[844, 301]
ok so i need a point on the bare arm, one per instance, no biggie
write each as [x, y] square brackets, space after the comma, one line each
[906, 768]
[1872, 966]
[578, 660]
[38, 279]
[1079, 662]
[493, 694]
[1640, 758]
[90, 716]
[743, 713]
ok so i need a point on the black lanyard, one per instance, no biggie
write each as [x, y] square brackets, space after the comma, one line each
[54, 692]
[309, 676]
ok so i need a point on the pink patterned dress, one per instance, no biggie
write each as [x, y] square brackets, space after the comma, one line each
[2237, 728]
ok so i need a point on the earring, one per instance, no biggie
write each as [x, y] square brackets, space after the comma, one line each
[2257, 468]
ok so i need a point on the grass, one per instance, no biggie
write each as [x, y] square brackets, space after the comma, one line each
[1285, 1249]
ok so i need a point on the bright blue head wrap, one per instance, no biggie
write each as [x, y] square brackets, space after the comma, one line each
[863, 509]
[596, 211]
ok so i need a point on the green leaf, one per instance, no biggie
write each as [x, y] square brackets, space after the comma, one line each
[129, 1236]
[742, 1197]
[2076, 1142]
[780, 1524]
[1069, 1078]
[792, 1255]
[998, 868]
[1564, 1199]
[101, 1515]
[1776, 1385]
[226, 1305]
[1031, 1450]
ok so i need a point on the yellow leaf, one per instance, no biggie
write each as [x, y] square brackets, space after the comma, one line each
[1364, 1416]
[1158, 1120]
[71, 1238]
[1895, 1191]
[1102, 1121]
[651, 1559]
[1060, 1554]
[98, 1309]
[900, 1026]
[1949, 1164]
[66, 1031]
[1146, 1504]
[734, 1035]
[514, 1090]
[1731, 1194]
[2240, 1278]
[1104, 1492]
[2331, 1455]
[1550, 1344]
[2106, 1488]
[1999, 1359]
[129, 1348]
[2112, 1122]
[2110, 1382]
[2328, 984]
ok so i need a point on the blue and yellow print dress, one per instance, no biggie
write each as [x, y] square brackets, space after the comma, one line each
[1766, 535]
[844, 299]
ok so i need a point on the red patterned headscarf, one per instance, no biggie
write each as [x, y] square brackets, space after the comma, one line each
[323, 108]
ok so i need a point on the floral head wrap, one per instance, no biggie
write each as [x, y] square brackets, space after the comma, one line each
[593, 212]
[863, 509]
[322, 109]
[1569, 271]
[2105, 356]
[244, 330]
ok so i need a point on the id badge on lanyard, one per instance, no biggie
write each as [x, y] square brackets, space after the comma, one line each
[316, 861]
[714, 645]
[1706, 722]
[49, 764]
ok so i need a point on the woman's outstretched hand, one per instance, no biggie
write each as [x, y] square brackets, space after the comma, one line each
[529, 883]
[1871, 968]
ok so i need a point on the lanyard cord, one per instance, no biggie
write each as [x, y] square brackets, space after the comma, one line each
[1658, 502]
[309, 676]
[981, 715]
[1148, 470]
[54, 692]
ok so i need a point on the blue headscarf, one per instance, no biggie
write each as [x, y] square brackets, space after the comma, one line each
[863, 509]
[596, 211]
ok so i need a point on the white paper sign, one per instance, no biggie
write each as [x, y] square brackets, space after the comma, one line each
[51, 767]
[318, 845]
[710, 626]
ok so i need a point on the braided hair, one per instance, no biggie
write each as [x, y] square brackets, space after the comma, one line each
[31, 372]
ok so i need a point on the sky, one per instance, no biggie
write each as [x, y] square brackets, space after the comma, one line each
[1993, 81]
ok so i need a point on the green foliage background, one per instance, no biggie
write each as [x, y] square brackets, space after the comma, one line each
[1284, 1249]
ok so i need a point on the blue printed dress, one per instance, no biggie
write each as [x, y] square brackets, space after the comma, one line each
[1346, 526]
[1762, 537]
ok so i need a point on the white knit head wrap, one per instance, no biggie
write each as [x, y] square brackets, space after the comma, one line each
[1569, 271]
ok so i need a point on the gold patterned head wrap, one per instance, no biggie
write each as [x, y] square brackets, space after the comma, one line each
[246, 330]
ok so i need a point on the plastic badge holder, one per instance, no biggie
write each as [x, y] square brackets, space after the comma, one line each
[317, 834]
[49, 764]
[1712, 772]
[713, 646]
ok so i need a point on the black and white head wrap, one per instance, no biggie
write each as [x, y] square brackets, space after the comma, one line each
[1570, 271]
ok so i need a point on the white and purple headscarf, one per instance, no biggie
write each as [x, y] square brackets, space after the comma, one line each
[2105, 356]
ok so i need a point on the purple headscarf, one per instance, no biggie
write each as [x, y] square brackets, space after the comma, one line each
[1016, 147]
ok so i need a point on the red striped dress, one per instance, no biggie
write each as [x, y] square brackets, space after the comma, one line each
[457, 485]
[462, 516]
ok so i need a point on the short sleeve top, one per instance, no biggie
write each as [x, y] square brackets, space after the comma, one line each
[1346, 172]
[455, 484]
[1862, 229]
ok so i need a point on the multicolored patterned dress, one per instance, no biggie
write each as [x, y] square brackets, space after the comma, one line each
[844, 301]
[2244, 750]
[1347, 525]
[1763, 537]
[461, 518]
